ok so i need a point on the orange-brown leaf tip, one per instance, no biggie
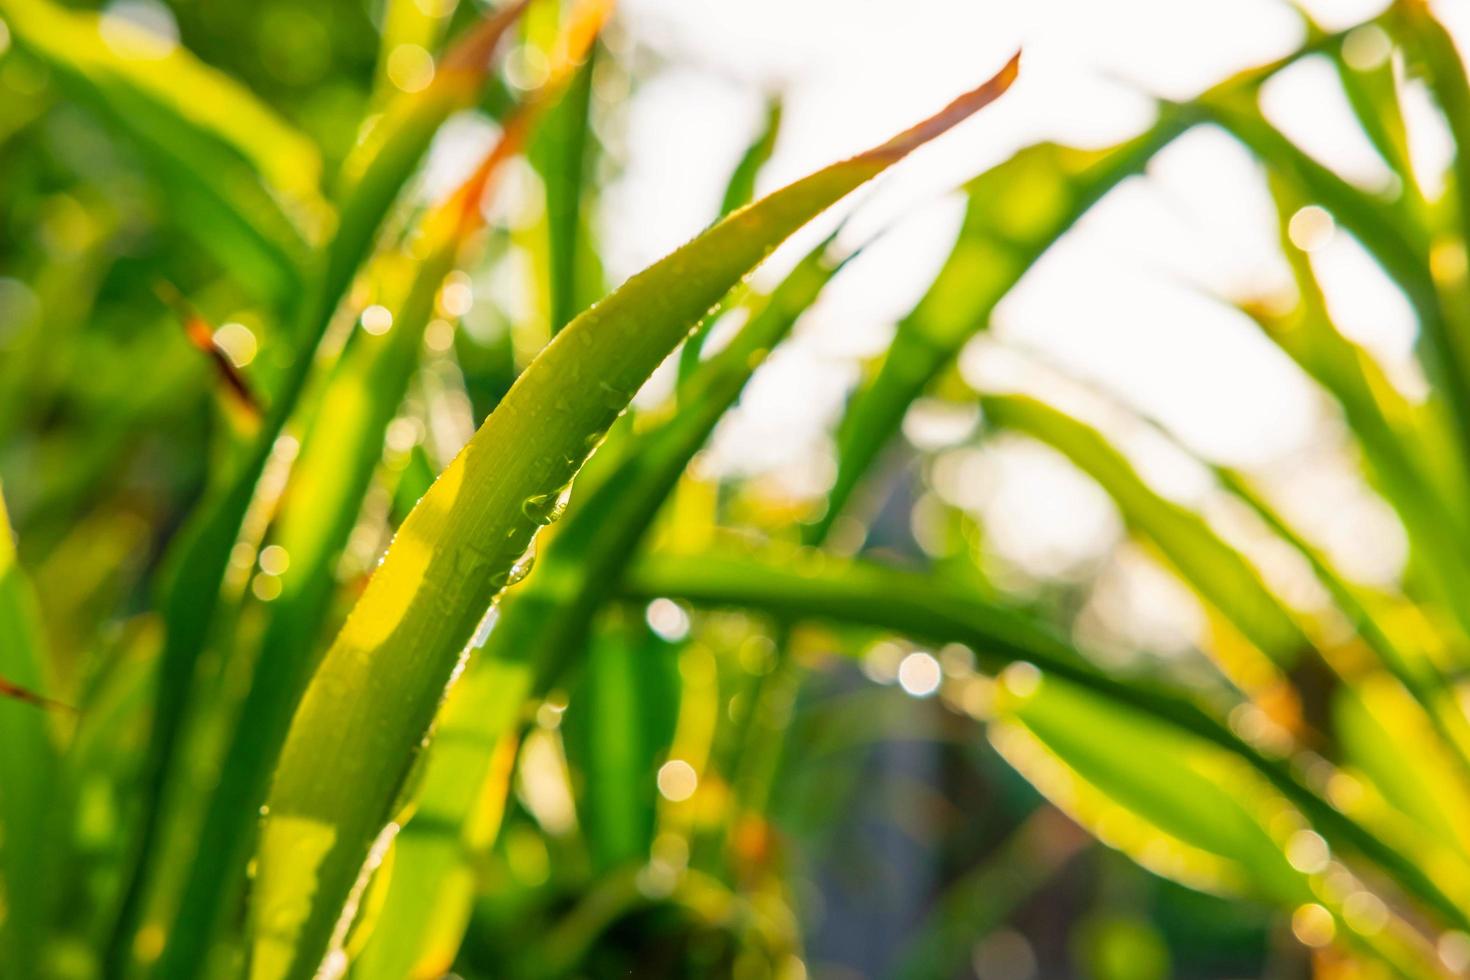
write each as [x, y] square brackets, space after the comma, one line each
[951, 115]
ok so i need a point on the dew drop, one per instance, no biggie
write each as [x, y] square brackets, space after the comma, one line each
[547, 508]
[516, 572]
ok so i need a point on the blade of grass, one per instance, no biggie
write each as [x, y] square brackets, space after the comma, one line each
[28, 768]
[1399, 438]
[1372, 91]
[546, 622]
[811, 585]
[373, 699]
[617, 727]
[1416, 25]
[1199, 810]
[1016, 212]
[1417, 674]
[1384, 736]
[408, 25]
[563, 154]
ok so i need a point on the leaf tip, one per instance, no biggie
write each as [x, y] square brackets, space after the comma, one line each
[956, 112]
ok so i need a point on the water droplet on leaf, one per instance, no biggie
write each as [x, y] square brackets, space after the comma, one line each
[547, 508]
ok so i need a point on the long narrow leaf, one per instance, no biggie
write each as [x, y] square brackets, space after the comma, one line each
[373, 699]
[543, 624]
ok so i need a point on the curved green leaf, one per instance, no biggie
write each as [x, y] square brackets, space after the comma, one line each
[373, 699]
[545, 623]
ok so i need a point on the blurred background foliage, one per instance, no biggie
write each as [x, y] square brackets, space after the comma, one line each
[876, 639]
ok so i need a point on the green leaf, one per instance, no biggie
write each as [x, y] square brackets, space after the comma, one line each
[618, 726]
[543, 624]
[371, 702]
[408, 22]
[1401, 247]
[380, 165]
[739, 191]
[248, 184]
[1426, 38]
[1409, 447]
[28, 769]
[1385, 736]
[563, 154]
[340, 448]
[1216, 571]
[1409, 666]
[1177, 804]
[1201, 813]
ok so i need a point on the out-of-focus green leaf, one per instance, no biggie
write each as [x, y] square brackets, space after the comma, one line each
[373, 699]
[250, 182]
[1218, 572]
[1372, 92]
[1386, 736]
[812, 585]
[1180, 806]
[563, 155]
[739, 191]
[1415, 672]
[1016, 212]
[28, 770]
[1401, 247]
[409, 27]
[1199, 813]
[375, 172]
[618, 726]
[1416, 25]
[1409, 447]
